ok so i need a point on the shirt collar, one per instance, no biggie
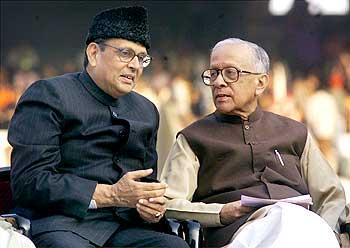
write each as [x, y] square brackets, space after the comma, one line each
[256, 115]
[96, 91]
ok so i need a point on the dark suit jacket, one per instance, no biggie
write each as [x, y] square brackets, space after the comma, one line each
[67, 136]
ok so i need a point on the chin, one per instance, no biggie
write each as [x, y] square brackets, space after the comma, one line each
[224, 109]
[126, 91]
[127, 87]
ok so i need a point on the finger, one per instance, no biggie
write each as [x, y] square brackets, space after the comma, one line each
[159, 200]
[152, 206]
[143, 194]
[155, 213]
[147, 216]
[139, 174]
[153, 194]
[142, 212]
[245, 208]
[152, 186]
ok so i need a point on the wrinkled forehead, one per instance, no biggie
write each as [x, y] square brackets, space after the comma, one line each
[226, 53]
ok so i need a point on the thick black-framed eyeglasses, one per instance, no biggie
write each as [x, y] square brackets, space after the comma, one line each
[126, 55]
[229, 74]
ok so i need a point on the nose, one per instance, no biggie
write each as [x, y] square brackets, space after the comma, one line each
[219, 81]
[134, 63]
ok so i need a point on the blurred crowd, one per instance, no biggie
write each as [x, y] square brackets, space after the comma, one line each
[318, 95]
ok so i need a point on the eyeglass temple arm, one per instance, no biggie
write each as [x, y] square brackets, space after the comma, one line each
[255, 73]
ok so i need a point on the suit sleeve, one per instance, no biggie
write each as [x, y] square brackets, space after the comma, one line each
[35, 135]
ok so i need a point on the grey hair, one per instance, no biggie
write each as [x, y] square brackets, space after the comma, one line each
[262, 61]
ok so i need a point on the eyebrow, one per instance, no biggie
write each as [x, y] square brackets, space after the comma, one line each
[223, 65]
[127, 47]
[134, 50]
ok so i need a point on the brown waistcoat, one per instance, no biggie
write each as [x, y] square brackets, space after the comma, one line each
[240, 157]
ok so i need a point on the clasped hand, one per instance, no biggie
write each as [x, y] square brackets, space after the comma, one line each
[148, 198]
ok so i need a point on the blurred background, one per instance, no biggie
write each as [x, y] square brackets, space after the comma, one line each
[308, 42]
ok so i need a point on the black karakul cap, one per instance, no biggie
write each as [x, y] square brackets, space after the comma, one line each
[128, 23]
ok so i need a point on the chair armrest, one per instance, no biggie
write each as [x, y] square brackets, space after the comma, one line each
[190, 230]
[193, 233]
[22, 223]
[175, 227]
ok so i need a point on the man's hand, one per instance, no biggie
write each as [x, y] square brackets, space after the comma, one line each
[151, 210]
[128, 190]
[232, 211]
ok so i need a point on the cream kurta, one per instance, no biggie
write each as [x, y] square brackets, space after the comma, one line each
[181, 169]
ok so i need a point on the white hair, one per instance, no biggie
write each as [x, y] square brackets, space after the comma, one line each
[262, 61]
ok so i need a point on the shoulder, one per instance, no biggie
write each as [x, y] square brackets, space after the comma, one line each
[141, 105]
[52, 85]
[61, 80]
[52, 93]
[141, 101]
[140, 98]
[205, 123]
[283, 121]
[206, 120]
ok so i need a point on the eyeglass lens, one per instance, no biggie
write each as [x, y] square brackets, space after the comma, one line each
[126, 55]
[229, 74]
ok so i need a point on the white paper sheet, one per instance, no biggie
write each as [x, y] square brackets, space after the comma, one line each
[303, 200]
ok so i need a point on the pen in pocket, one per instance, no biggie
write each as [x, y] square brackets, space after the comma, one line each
[279, 157]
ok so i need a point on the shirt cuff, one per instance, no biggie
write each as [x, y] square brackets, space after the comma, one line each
[207, 214]
[92, 204]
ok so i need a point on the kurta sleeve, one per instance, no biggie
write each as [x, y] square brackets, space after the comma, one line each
[180, 172]
[35, 134]
[324, 185]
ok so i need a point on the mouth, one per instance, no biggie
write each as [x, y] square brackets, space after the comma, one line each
[129, 78]
[221, 96]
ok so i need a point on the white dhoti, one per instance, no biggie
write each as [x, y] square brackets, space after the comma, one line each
[284, 225]
[9, 238]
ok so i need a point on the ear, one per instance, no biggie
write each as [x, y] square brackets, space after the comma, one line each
[91, 53]
[262, 83]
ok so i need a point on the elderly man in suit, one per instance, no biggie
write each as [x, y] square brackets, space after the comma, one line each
[84, 146]
[242, 150]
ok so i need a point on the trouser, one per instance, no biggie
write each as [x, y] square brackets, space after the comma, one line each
[123, 237]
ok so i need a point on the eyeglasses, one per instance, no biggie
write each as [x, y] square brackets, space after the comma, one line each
[126, 55]
[229, 74]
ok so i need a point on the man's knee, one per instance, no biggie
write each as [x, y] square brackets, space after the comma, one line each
[59, 239]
